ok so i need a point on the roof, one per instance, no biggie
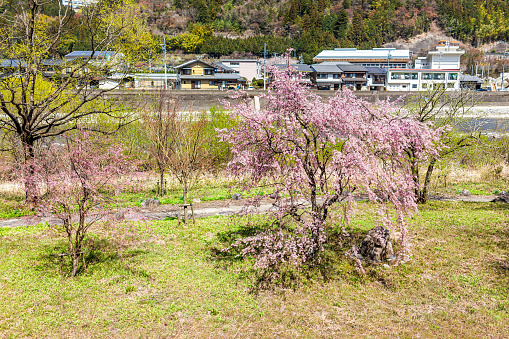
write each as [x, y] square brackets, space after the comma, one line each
[240, 60]
[53, 62]
[376, 70]
[353, 68]
[12, 63]
[326, 68]
[90, 54]
[223, 66]
[217, 76]
[353, 53]
[192, 62]
[297, 67]
[470, 78]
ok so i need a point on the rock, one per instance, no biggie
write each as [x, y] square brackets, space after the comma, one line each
[119, 216]
[196, 201]
[465, 193]
[237, 196]
[377, 245]
[150, 202]
[501, 198]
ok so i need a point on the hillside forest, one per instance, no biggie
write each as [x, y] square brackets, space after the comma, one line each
[222, 27]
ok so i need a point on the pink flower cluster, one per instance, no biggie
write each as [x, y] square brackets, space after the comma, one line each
[316, 154]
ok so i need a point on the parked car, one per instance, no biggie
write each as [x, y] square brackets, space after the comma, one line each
[250, 88]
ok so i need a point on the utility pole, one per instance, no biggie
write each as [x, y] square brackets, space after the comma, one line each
[165, 68]
[264, 67]
[503, 68]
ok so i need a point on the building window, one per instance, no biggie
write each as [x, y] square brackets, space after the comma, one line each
[234, 64]
[453, 76]
[414, 86]
[211, 83]
[424, 86]
[336, 76]
[398, 75]
[197, 84]
[433, 76]
[186, 71]
[322, 76]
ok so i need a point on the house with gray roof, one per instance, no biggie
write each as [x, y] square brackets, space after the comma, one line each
[200, 74]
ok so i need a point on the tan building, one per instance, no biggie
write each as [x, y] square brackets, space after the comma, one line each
[199, 74]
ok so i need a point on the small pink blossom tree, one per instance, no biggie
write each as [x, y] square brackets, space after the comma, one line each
[317, 153]
[72, 180]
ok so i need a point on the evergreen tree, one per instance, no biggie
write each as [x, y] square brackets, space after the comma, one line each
[356, 30]
[341, 25]
[347, 4]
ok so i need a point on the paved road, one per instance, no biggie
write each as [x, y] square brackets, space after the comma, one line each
[201, 210]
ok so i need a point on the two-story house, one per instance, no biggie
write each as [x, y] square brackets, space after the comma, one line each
[355, 77]
[328, 76]
[200, 74]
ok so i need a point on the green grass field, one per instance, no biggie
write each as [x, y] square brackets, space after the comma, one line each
[456, 285]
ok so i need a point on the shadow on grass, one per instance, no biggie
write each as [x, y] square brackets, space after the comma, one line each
[98, 252]
[331, 264]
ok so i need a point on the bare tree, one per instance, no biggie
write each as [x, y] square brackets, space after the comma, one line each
[452, 112]
[158, 121]
[37, 102]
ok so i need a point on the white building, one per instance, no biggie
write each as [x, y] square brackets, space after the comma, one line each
[376, 57]
[439, 68]
[247, 68]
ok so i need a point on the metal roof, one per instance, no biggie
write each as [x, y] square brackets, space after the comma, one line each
[217, 76]
[193, 61]
[376, 70]
[90, 54]
[12, 63]
[223, 66]
[470, 78]
[353, 68]
[327, 68]
[240, 60]
[353, 53]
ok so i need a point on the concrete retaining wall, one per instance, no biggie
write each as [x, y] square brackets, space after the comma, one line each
[196, 100]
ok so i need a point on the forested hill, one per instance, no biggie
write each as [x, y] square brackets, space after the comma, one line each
[312, 25]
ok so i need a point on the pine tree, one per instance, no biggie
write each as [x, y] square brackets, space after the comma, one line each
[347, 4]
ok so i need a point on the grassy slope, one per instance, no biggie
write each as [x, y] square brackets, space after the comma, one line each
[454, 286]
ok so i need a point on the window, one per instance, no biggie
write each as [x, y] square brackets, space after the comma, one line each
[234, 64]
[322, 76]
[209, 72]
[399, 75]
[197, 84]
[336, 76]
[211, 83]
[433, 76]
[414, 86]
[453, 76]
[424, 86]
[186, 71]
